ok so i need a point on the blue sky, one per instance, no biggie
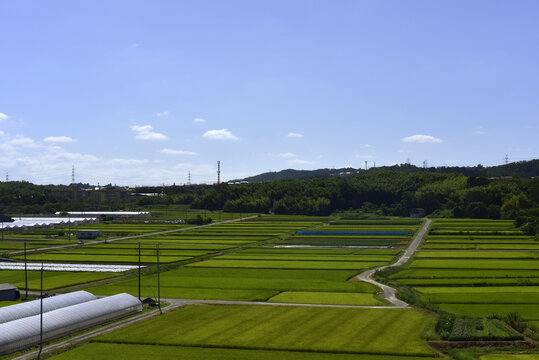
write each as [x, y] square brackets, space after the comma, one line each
[142, 92]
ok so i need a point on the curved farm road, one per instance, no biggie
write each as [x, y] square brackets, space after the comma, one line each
[389, 292]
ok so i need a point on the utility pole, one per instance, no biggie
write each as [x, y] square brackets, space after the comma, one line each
[25, 273]
[41, 317]
[139, 270]
[158, 282]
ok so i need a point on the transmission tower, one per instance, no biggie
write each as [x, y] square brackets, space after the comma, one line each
[425, 164]
[7, 177]
[506, 159]
[189, 178]
[73, 174]
[365, 164]
[218, 172]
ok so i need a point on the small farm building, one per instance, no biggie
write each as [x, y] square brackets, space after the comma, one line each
[417, 213]
[24, 333]
[8, 292]
[88, 234]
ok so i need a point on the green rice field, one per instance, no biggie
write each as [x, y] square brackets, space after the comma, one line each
[116, 351]
[359, 331]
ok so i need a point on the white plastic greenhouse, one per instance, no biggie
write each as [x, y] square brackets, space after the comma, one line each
[30, 308]
[23, 333]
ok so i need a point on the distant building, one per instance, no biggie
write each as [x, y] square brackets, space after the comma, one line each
[8, 292]
[418, 213]
[88, 234]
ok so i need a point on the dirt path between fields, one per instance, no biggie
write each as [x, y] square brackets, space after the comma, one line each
[389, 292]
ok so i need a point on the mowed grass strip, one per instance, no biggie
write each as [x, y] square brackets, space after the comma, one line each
[527, 311]
[306, 297]
[283, 264]
[104, 258]
[479, 295]
[111, 351]
[51, 279]
[363, 331]
[238, 284]
[463, 273]
[475, 264]
[306, 257]
[477, 254]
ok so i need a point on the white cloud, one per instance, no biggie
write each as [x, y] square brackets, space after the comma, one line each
[3, 116]
[199, 120]
[119, 161]
[367, 145]
[286, 155]
[222, 134]
[422, 139]
[177, 152]
[23, 141]
[145, 132]
[162, 114]
[1, 133]
[294, 135]
[301, 162]
[59, 139]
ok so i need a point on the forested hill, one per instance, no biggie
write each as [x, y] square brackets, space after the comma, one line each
[523, 169]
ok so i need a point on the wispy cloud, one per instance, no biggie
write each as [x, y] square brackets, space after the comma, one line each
[23, 141]
[59, 139]
[162, 114]
[3, 116]
[359, 156]
[294, 135]
[422, 139]
[1, 133]
[301, 162]
[199, 120]
[177, 152]
[119, 161]
[145, 132]
[367, 145]
[222, 134]
[286, 155]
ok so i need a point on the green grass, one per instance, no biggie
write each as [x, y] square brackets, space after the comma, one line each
[477, 254]
[305, 297]
[527, 311]
[476, 264]
[51, 279]
[106, 351]
[363, 331]
[238, 284]
[283, 264]
[482, 295]
[510, 357]
[113, 258]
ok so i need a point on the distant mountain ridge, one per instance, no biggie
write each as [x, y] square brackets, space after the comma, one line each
[523, 169]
